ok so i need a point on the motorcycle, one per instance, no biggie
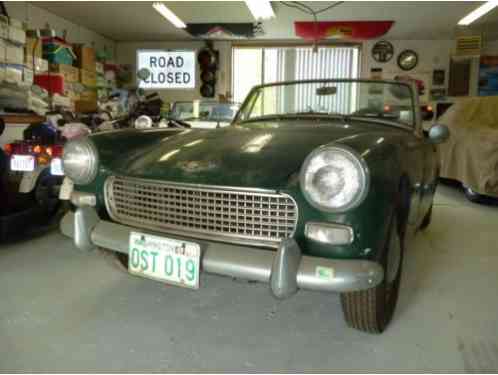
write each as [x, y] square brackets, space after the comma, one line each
[35, 164]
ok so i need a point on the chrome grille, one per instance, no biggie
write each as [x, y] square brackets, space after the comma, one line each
[236, 215]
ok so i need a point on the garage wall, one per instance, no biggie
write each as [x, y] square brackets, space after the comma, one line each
[38, 18]
[433, 54]
[126, 53]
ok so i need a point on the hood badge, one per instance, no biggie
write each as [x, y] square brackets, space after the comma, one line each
[197, 166]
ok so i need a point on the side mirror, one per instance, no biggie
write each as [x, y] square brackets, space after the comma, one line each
[439, 133]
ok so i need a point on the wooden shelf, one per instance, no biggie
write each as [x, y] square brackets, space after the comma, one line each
[22, 119]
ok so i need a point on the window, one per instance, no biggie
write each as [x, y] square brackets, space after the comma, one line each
[256, 65]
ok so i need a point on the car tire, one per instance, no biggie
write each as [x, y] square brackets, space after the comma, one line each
[472, 195]
[371, 310]
[116, 260]
[427, 219]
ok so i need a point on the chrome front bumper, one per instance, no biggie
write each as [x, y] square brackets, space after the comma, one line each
[286, 270]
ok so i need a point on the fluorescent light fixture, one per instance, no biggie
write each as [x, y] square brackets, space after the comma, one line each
[169, 15]
[260, 9]
[477, 13]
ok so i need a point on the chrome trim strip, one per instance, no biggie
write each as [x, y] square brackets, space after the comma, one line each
[344, 275]
[199, 233]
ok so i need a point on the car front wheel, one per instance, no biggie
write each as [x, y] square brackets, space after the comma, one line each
[371, 310]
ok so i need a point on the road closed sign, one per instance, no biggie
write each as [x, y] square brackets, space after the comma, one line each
[168, 69]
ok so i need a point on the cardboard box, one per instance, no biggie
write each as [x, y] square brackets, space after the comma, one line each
[85, 106]
[41, 66]
[28, 76]
[70, 92]
[4, 27]
[17, 35]
[16, 23]
[3, 51]
[89, 95]
[99, 68]
[13, 72]
[88, 78]
[85, 58]
[14, 54]
[53, 83]
[57, 51]
[70, 73]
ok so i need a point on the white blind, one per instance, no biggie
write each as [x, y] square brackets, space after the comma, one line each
[254, 66]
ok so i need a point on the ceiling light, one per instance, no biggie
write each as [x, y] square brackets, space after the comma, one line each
[477, 13]
[169, 15]
[260, 9]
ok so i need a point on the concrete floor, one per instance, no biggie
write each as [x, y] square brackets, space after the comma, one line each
[62, 310]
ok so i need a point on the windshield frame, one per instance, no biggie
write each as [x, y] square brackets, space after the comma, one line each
[414, 126]
[207, 102]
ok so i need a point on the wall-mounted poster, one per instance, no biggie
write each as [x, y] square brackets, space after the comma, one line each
[488, 76]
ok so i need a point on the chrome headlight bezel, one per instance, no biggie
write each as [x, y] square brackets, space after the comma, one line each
[360, 165]
[143, 122]
[86, 172]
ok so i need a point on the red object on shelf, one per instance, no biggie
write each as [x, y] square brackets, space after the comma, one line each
[352, 30]
[53, 83]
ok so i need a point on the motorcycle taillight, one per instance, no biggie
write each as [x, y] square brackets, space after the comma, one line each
[55, 151]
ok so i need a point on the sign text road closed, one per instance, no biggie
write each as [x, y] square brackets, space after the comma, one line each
[169, 69]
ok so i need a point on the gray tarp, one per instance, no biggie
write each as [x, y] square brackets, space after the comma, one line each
[471, 153]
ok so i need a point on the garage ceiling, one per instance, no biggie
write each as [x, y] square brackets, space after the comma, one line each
[138, 21]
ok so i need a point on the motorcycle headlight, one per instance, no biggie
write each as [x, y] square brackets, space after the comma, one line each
[143, 122]
[80, 161]
[334, 179]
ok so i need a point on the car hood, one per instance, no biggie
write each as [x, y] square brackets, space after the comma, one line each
[264, 155]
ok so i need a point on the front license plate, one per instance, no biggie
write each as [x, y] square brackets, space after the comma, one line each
[24, 163]
[164, 259]
[56, 167]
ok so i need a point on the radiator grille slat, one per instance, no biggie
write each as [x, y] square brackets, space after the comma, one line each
[245, 215]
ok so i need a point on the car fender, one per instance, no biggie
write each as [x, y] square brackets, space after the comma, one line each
[29, 179]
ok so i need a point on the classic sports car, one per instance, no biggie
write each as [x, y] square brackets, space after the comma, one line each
[306, 189]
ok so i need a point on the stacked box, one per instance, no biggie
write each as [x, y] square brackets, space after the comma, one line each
[88, 78]
[85, 58]
[28, 76]
[53, 83]
[4, 27]
[41, 66]
[57, 51]
[14, 54]
[70, 73]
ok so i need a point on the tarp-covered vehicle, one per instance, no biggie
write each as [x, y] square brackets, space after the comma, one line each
[471, 154]
[312, 186]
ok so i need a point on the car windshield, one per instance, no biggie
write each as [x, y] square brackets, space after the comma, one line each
[208, 111]
[390, 102]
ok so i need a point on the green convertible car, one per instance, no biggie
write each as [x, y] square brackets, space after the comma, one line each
[313, 186]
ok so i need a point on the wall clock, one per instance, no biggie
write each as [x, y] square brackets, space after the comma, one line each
[408, 59]
[382, 51]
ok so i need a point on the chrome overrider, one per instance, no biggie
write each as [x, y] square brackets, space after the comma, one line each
[286, 270]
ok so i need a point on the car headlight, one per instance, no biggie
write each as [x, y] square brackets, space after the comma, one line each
[80, 161]
[143, 122]
[334, 179]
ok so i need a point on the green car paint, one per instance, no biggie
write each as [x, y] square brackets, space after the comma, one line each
[269, 155]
